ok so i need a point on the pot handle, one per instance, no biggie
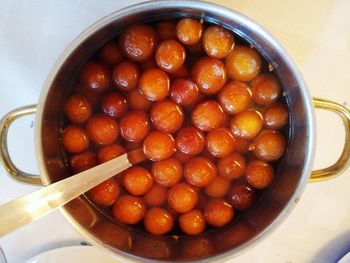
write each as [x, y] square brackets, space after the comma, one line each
[343, 161]
[5, 159]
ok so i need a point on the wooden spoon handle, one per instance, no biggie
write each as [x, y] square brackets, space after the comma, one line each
[28, 208]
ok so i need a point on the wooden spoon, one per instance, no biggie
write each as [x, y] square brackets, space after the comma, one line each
[28, 208]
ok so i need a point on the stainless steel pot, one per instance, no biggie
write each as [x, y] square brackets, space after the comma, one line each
[293, 171]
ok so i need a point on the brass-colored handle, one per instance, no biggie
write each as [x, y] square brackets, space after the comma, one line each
[5, 158]
[344, 160]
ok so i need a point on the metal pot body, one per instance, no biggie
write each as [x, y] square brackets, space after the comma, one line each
[292, 171]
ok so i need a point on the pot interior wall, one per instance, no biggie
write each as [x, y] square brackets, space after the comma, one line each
[290, 171]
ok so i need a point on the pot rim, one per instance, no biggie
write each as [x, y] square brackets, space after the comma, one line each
[222, 12]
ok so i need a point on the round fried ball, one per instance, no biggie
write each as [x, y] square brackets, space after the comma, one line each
[220, 142]
[138, 42]
[167, 116]
[168, 172]
[77, 108]
[232, 166]
[189, 31]
[170, 55]
[269, 145]
[114, 104]
[134, 126]
[95, 77]
[218, 212]
[183, 91]
[275, 116]
[208, 115]
[243, 63]
[192, 223]
[259, 174]
[154, 84]
[129, 209]
[241, 197]
[106, 193]
[102, 129]
[158, 221]
[235, 97]
[190, 141]
[158, 145]
[182, 197]
[199, 171]
[246, 124]
[217, 41]
[75, 139]
[126, 75]
[266, 89]
[137, 180]
[209, 74]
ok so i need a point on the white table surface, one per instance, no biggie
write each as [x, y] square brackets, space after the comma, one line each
[316, 34]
